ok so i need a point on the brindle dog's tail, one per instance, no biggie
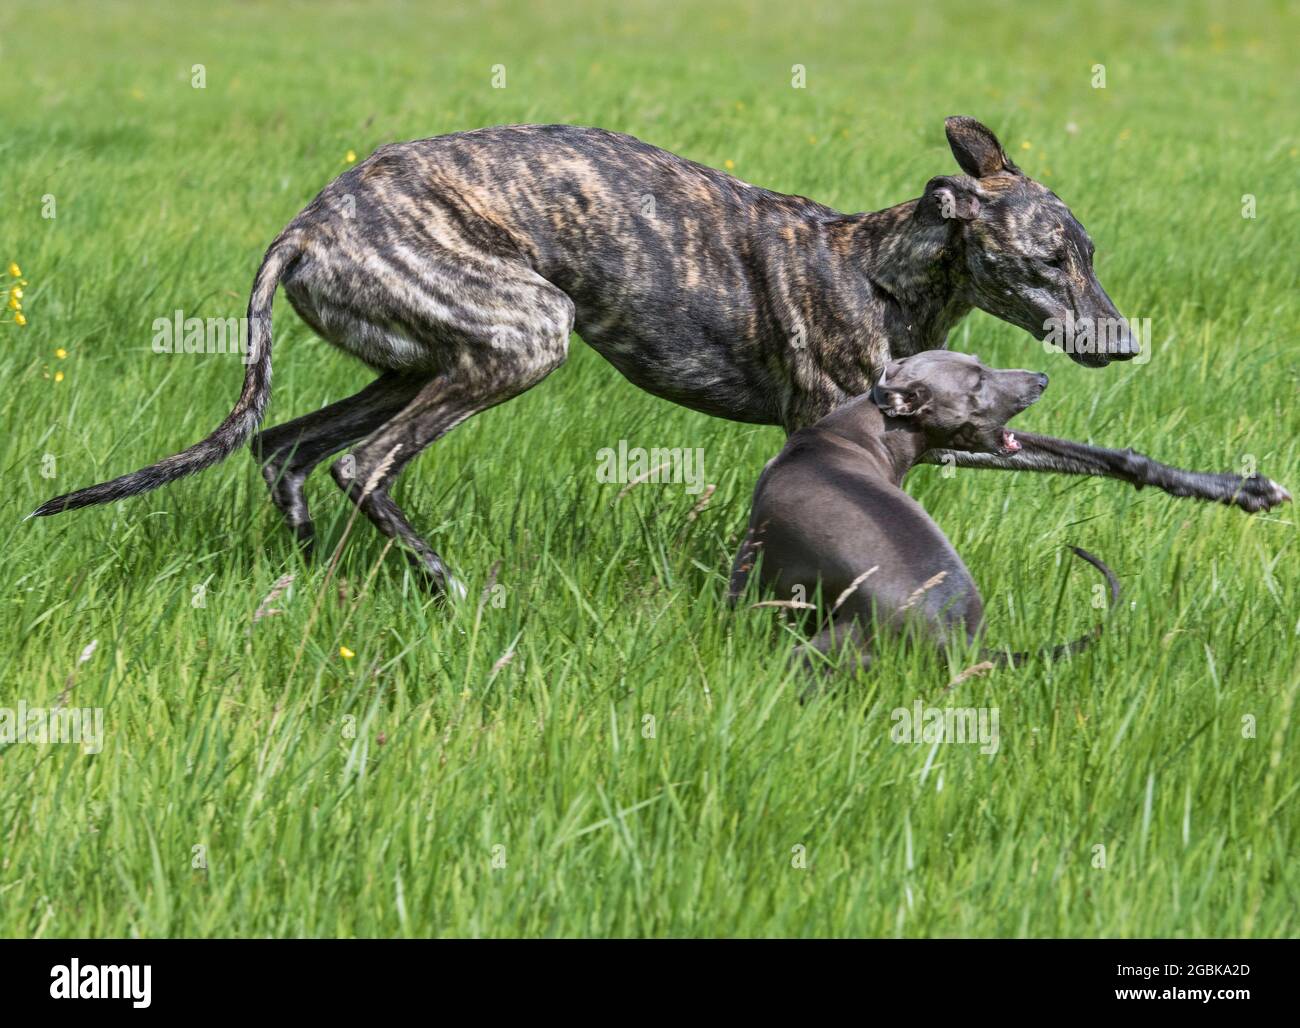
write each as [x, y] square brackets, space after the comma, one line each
[1005, 659]
[240, 422]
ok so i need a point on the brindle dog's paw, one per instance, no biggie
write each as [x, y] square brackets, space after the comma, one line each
[1258, 493]
[442, 584]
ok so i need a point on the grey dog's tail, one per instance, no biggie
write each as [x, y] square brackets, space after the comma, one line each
[1004, 659]
[240, 422]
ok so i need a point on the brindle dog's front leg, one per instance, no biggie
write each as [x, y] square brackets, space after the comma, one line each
[1045, 453]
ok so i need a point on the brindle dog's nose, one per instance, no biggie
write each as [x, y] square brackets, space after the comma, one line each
[1042, 380]
[1125, 348]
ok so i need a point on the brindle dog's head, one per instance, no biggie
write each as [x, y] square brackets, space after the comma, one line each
[956, 401]
[1027, 258]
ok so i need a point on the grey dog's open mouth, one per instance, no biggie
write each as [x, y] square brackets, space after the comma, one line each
[1010, 444]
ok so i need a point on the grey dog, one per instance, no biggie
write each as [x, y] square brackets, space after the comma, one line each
[457, 267]
[829, 510]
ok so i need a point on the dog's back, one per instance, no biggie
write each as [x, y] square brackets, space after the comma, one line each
[825, 515]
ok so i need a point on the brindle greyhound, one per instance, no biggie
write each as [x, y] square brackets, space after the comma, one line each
[829, 510]
[457, 267]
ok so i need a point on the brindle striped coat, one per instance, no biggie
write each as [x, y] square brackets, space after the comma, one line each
[458, 266]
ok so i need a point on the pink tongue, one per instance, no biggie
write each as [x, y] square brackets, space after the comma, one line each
[1009, 441]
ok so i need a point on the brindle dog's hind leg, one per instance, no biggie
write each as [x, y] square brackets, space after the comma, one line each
[494, 360]
[287, 453]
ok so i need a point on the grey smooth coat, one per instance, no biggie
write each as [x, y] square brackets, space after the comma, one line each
[830, 518]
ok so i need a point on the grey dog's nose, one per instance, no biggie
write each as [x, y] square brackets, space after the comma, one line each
[1042, 380]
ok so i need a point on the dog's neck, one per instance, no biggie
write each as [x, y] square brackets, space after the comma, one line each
[917, 262]
[881, 286]
[895, 443]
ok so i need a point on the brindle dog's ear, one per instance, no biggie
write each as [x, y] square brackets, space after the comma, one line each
[976, 148]
[951, 196]
[900, 401]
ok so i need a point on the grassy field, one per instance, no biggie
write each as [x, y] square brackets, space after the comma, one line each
[599, 746]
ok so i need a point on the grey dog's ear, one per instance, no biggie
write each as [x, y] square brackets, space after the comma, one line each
[951, 196]
[903, 400]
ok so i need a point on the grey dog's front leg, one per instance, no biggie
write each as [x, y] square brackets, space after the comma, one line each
[1045, 453]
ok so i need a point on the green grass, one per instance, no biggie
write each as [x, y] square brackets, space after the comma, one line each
[369, 796]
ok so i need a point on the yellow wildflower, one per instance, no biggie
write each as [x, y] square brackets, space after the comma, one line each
[14, 305]
[15, 271]
[61, 353]
[351, 157]
[16, 292]
[58, 376]
[729, 164]
[19, 319]
[346, 653]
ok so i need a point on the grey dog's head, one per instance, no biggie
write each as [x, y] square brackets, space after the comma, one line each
[1027, 259]
[956, 401]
